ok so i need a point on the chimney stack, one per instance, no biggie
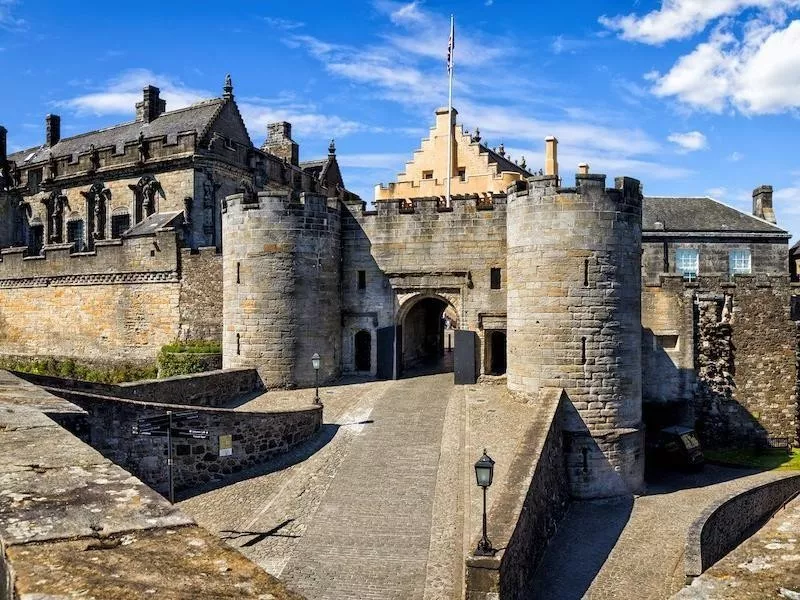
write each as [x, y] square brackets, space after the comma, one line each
[53, 129]
[551, 156]
[3, 144]
[583, 169]
[762, 203]
[279, 142]
[152, 106]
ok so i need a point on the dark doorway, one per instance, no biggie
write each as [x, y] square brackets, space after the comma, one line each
[423, 334]
[363, 346]
[497, 352]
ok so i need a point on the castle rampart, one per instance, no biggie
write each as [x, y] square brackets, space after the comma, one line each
[574, 319]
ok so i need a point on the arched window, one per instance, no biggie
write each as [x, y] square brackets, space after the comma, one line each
[363, 351]
[75, 234]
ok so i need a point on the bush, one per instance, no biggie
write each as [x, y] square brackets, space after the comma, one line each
[69, 368]
[185, 358]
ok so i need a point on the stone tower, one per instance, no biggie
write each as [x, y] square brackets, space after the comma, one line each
[281, 286]
[574, 320]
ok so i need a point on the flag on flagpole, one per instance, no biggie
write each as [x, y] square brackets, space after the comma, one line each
[451, 44]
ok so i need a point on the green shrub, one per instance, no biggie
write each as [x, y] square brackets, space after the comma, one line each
[185, 358]
[72, 369]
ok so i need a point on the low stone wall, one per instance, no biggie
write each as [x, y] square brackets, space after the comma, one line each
[727, 523]
[256, 437]
[213, 388]
[72, 524]
[524, 518]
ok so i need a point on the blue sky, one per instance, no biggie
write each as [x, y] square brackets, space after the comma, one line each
[690, 96]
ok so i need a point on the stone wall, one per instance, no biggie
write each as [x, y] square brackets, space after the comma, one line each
[725, 524]
[257, 437]
[200, 299]
[281, 286]
[731, 359]
[527, 513]
[215, 389]
[419, 249]
[574, 319]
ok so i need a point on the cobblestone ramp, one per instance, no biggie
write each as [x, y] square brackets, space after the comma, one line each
[370, 536]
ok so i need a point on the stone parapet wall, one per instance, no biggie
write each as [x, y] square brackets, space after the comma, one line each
[281, 286]
[524, 518]
[727, 523]
[214, 389]
[256, 438]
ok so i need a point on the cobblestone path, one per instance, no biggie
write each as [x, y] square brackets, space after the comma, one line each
[351, 516]
[633, 548]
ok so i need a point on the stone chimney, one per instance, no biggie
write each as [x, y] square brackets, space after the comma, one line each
[3, 144]
[583, 169]
[151, 106]
[762, 203]
[279, 142]
[53, 129]
[441, 119]
[551, 156]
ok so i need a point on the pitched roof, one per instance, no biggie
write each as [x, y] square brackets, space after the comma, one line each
[503, 162]
[317, 167]
[197, 117]
[700, 214]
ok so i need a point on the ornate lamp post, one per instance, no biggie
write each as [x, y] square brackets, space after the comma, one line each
[315, 364]
[484, 472]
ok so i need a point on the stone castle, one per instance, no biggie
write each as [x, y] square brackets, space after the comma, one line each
[646, 311]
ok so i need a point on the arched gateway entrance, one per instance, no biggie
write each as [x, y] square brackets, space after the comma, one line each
[423, 332]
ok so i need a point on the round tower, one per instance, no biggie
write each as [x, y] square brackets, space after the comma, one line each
[281, 258]
[574, 320]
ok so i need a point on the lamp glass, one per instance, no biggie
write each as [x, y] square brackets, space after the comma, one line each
[315, 361]
[484, 470]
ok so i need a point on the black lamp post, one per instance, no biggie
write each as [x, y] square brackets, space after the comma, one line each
[315, 364]
[484, 472]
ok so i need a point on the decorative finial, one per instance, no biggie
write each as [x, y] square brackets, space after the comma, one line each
[227, 90]
[477, 136]
[501, 150]
[522, 163]
[332, 147]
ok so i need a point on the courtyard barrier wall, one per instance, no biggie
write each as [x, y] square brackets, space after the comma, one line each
[524, 517]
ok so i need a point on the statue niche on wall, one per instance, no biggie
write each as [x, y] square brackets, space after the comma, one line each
[145, 193]
[97, 200]
[55, 203]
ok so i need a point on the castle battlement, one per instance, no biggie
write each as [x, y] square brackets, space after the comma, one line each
[304, 203]
[460, 205]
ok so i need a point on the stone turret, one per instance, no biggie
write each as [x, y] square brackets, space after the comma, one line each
[152, 106]
[574, 320]
[281, 286]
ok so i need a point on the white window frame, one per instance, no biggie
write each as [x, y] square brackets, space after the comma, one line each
[687, 261]
[740, 261]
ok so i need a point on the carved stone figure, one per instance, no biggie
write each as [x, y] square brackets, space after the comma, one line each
[98, 198]
[145, 192]
[55, 204]
[143, 147]
[52, 167]
[94, 158]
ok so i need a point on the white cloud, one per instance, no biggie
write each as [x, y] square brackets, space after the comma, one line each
[735, 156]
[285, 24]
[680, 19]
[717, 192]
[8, 21]
[691, 141]
[120, 95]
[306, 121]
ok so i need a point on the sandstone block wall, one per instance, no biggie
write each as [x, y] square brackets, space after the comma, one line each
[281, 295]
[200, 299]
[574, 319]
[422, 249]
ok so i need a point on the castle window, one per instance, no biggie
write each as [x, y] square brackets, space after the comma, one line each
[462, 174]
[34, 179]
[739, 262]
[119, 224]
[427, 174]
[35, 240]
[495, 277]
[75, 234]
[362, 280]
[687, 262]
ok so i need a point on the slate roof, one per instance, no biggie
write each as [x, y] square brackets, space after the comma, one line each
[504, 163]
[700, 214]
[197, 117]
[316, 167]
[155, 222]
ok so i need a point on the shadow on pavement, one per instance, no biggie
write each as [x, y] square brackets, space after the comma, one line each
[584, 539]
[256, 536]
[667, 482]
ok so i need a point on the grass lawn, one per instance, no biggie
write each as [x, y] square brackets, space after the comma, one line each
[765, 459]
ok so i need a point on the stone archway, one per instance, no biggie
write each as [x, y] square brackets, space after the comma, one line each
[421, 318]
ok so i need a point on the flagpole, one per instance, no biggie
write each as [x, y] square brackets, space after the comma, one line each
[449, 170]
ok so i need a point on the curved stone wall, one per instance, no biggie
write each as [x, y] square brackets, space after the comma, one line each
[574, 319]
[281, 280]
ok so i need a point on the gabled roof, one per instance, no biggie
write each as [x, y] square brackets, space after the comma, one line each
[195, 118]
[315, 167]
[503, 163]
[701, 215]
